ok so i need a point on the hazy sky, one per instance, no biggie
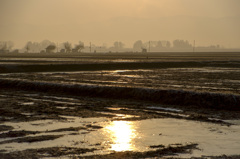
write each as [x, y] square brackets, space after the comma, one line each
[105, 21]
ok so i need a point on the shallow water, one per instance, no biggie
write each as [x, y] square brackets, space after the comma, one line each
[166, 109]
[118, 135]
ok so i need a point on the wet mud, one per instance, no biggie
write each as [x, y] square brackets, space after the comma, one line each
[26, 107]
[42, 117]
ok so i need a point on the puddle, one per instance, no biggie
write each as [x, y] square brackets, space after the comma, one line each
[123, 71]
[166, 109]
[28, 114]
[59, 107]
[27, 103]
[170, 113]
[48, 125]
[55, 101]
[124, 116]
[124, 135]
[114, 108]
[139, 135]
[32, 95]
[61, 98]
[119, 116]
[170, 131]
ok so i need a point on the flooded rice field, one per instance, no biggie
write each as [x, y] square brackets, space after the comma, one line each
[210, 79]
[55, 126]
[121, 108]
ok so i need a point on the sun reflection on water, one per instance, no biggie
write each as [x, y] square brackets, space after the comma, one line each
[122, 134]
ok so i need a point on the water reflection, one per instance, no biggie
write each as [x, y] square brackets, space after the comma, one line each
[122, 134]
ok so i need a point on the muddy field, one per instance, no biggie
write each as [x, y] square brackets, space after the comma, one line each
[41, 118]
[199, 79]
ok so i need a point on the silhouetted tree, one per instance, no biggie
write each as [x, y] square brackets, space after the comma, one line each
[79, 47]
[50, 48]
[118, 46]
[67, 46]
[168, 44]
[181, 44]
[159, 44]
[37, 47]
[44, 44]
[138, 45]
[27, 46]
[5, 46]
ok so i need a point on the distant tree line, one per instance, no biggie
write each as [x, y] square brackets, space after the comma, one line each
[47, 46]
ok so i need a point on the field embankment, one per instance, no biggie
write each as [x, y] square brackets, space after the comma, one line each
[170, 97]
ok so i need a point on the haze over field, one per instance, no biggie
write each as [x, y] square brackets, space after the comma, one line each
[119, 79]
[206, 21]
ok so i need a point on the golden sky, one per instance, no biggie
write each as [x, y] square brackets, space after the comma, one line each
[105, 21]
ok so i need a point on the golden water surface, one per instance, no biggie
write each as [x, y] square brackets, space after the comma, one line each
[122, 134]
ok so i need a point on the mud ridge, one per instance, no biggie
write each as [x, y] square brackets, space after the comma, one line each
[170, 97]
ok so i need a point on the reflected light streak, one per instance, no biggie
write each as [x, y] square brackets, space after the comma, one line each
[122, 135]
